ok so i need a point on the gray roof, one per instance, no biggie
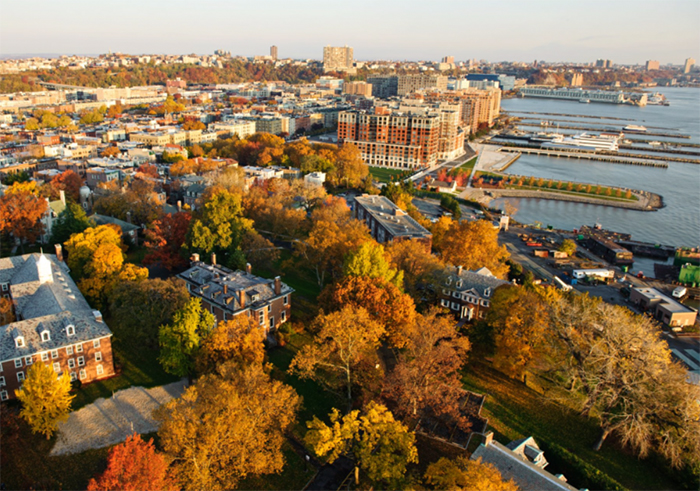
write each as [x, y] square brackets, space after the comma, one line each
[106, 220]
[208, 282]
[391, 217]
[51, 305]
[479, 282]
[526, 475]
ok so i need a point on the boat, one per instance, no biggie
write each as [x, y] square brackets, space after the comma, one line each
[655, 144]
[657, 99]
[584, 101]
[633, 128]
[584, 141]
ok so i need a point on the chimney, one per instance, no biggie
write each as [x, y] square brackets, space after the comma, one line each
[459, 270]
[195, 258]
[241, 298]
[213, 259]
[278, 285]
[248, 268]
[488, 438]
[62, 195]
[59, 252]
[225, 289]
[128, 216]
[179, 205]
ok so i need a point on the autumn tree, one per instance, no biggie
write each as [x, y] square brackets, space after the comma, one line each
[139, 202]
[350, 170]
[328, 244]
[139, 308]
[240, 340]
[180, 339]
[426, 381]
[110, 151]
[518, 321]
[568, 246]
[419, 266]
[368, 261]
[331, 209]
[72, 220]
[474, 245]
[227, 426]
[21, 210]
[463, 474]
[68, 182]
[382, 300]
[134, 465]
[259, 251]
[617, 368]
[45, 399]
[7, 314]
[439, 230]
[343, 341]
[165, 240]
[381, 446]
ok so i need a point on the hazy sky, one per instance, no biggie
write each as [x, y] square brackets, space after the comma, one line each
[626, 31]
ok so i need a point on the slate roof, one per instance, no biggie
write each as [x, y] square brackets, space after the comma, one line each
[51, 305]
[106, 220]
[480, 281]
[526, 475]
[391, 217]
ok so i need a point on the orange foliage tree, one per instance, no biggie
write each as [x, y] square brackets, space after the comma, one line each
[240, 340]
[21, 210]
[134, 465]
[69, 182]
[165, 240]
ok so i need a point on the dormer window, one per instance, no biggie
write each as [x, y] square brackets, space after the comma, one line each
[487, 292]
[459, 283]
[19, 342]
[45, 336]
[449, 281]
[70, 330]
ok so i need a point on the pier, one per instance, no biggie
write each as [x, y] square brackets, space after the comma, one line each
[586, 156]
[616, 130]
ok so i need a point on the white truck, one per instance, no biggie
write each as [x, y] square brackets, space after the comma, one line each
[679, 292]
[605, 274]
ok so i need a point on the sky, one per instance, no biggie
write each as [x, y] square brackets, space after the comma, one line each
[625, 31]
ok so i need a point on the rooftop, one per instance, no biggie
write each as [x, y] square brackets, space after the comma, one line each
[670, 304]
[391, 217]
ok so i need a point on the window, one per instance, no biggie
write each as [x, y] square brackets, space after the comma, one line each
[459, 284]
[45, 356]
[83, 374]
[18, 363]
[20, 376]
[3, 395]
[57, 367]
[4, 287]
[445, 303]
[81, 362]
[45, 336]
[100, 371]
[455, 306]
[19, 342]
[71, 363]
[28, 360]
[269, 308]
[54, 354]
[261, 316]
[96, 343]
[70, 330]
[284, 316]
[79, 348]
[455, 294]
[2, 381]
[69, 350]
[286, 299]
[272, 322]
[73, 376]
[98, 356]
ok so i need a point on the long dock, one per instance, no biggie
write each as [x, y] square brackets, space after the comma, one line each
[571, 115]
[658, 150]
[586, 156]
[589, 128]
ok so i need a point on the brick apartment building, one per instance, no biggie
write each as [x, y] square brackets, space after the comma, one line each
[392, 139]
[477, 106]
[468, 293]
[387, 222]
[54, 324]
[227, 293]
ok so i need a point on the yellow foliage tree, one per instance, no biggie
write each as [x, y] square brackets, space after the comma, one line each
[463, 474]
[45, 399]
[474, 245]
[240, 339]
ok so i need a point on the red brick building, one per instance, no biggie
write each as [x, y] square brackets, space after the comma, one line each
[227, 293]
[54, 324]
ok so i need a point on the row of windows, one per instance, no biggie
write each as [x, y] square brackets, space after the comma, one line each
[77, 348]
[57, 369]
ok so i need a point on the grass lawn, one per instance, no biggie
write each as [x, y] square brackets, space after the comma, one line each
[515, 411]
[139, 367]
[469, 164]
[382, 174]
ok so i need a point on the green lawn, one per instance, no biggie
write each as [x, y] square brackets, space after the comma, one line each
[516, 411]
[382, 174]
[469, 164]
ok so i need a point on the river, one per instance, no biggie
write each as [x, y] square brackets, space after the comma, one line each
[677, 224]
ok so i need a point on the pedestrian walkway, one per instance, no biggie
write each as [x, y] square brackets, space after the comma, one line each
[690, 357]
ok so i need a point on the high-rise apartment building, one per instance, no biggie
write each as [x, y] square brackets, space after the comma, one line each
[448, 59]
[273, 52]
[478, 107]
[392, 85]
[337, 59]
[689, 64]
[357, 88]
[652, 65]
[600, 63]
[577, 79]
[392, 139]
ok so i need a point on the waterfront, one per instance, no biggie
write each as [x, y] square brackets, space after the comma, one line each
[678, 223]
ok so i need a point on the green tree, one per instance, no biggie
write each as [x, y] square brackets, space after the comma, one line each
[369, 261]
[45, 399]
[568, 246]
[381, 446]
[180, 339]
[72, 220]
[452, 205]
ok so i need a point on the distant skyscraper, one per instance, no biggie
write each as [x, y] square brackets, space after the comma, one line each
[689, 64]
[273, 52]
[448, 59]
[337, 59]
[577, 80]
[652, 65]
[603, 63]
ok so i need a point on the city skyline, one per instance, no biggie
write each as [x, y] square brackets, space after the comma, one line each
[625, 32]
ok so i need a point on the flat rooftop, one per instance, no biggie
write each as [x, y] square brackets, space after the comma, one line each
[670, 304]
[391, 217]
